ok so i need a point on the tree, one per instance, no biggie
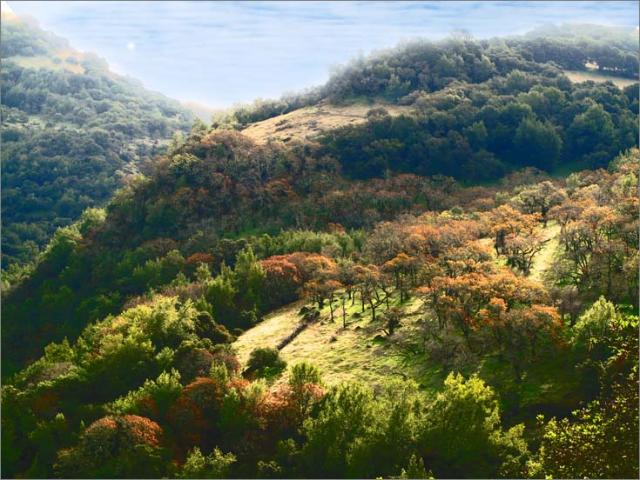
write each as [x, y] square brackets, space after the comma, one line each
[250, 278]
[568, 302]
[537, 144]
[591, 135]
[595, 251]
[193, 415]
[462, 301]
[593, 331]
[598, 441]
[282, 281]
[403, 267]
[305, 382]
[520, 250]
[391, 440]
[462, 435]
[393, 320]
[415, 469]
[265, 362]
[127, 446]
[344, 418]
[457, 301]
[518, 332]
[369, 278]
[214, 465]
[540, 199]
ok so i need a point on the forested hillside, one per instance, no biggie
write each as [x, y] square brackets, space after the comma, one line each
[71, 132]
[399, 75]
[449, 290]
[444, 291]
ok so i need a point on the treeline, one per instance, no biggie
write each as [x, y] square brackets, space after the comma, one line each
[398, 75]
[480, 132]
[26, 39]
[610, 49]
[68, 138]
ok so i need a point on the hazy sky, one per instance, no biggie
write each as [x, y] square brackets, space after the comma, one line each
[219, 53]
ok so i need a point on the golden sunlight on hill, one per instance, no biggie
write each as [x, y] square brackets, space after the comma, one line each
[311, 121]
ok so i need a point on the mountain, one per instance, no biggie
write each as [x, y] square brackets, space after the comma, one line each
[448, 227]
[72, 132]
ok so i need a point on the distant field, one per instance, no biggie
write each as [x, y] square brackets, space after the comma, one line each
[309, 122]
[580, 76]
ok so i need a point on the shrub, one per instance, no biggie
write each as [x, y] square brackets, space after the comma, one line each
[214, 465]
[266, 362]
[114, 446]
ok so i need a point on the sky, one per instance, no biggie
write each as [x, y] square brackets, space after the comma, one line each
[223, 53]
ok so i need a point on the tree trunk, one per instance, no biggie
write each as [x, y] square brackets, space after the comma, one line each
[373, 309]
[344, 315]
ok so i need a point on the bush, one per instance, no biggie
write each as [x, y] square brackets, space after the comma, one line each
[112, 447]
[266, 362]
[215, 465]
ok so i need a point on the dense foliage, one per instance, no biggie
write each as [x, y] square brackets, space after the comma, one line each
[71, 132]
[162, 376]
[401, 74]
[480, 132]
[517, 298]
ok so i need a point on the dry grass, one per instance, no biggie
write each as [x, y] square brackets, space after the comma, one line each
[341, 354]
[269, 332]
[542, 261]
[362, 352]
[579, 76]
[309, 122]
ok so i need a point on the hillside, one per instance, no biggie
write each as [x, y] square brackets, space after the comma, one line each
[362, 351]
[425, 268]
[218, 190]
[309, 123]
[72, 131]
[452, 291]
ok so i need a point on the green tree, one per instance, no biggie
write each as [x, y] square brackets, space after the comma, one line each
[598, 441]
[266, 362]
[537, 144]
[343, 420]
[250, 277]
[591, 135]
[462, 435]
[214, 465]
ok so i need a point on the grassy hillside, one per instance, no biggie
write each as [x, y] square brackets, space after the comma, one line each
[363, 352]
[492, 289]
[309, 123]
